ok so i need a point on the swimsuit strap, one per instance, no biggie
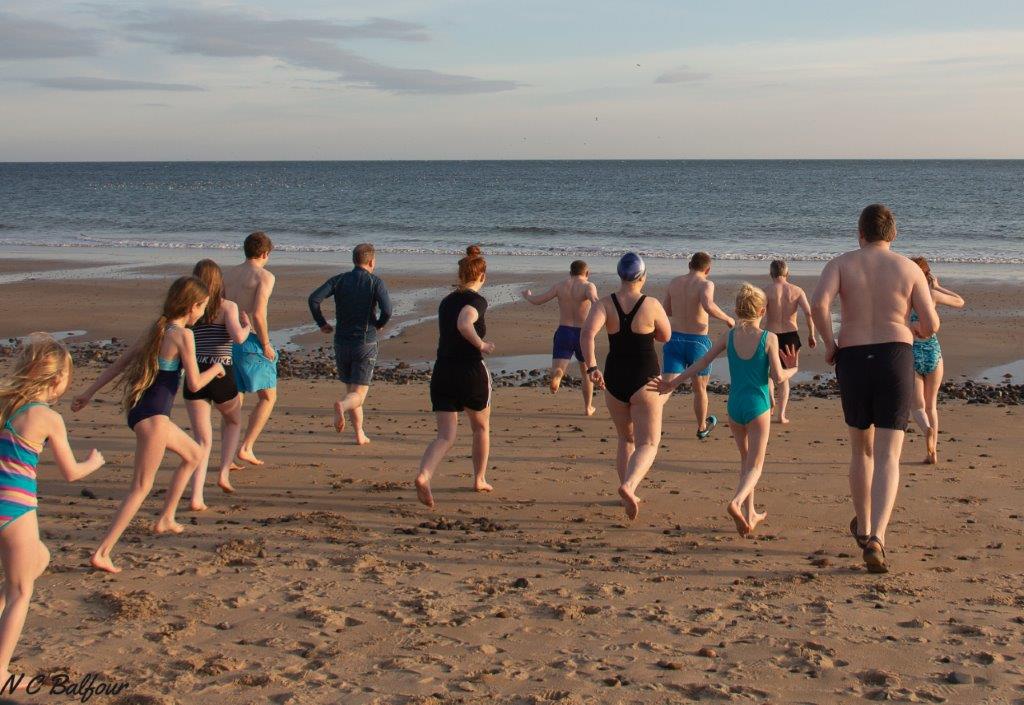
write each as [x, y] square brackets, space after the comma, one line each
[615, 300]
[20, 409]
[627, 317]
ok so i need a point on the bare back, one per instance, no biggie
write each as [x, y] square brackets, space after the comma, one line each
[877, 289]
[783, 306]
[574, 298]
[243, 283]
[685, 303]
[647, 318]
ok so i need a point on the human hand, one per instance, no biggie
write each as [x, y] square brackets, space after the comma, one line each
[327, 328]
[598, 379]
[220, 370]
[80, 403]
[730, 322]
[243, 318]
[813, 341]
[487, 348]
[831, 350]
[790, 356]
[661, 385]
[269, 352]
[95, 459]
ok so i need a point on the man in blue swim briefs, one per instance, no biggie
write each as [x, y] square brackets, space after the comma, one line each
[689, 302]
[255, 361]
[574, 294]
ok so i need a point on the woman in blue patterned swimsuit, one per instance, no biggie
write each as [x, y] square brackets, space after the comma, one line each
[928, 367]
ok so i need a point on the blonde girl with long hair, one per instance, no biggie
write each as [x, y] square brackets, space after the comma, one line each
[754, 358]
[39, 377]
[220, 326]
[150, 372]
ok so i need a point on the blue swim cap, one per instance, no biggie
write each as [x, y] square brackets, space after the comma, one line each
[631, 267]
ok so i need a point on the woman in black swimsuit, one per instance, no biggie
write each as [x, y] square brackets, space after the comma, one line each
[460, 380]
[634, 321]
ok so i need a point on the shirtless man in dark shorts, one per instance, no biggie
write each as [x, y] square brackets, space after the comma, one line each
[874, 361]
[785, 300]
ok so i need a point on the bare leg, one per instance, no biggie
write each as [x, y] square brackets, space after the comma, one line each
[920, 414]
[588, 391]
[646, 409]
[189, 451]
[783, 397]
[932, 382]
[700, 401]
[257, 420]
[447, 428]
[480, 422]
[862, 464]
[558, 368]
[619, 412]
[352, 404]
[202, 429]
[150, 443]
[756, 440]
[24, 558]
[885, 481]
[230, 431]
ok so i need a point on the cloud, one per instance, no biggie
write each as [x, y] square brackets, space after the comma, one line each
[22, 38]
[88, 83]
[682, 75]
[307, 43]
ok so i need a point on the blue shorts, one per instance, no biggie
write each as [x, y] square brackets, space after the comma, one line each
[684, 349]
[355, 362]
[253, 371]
[566, 344]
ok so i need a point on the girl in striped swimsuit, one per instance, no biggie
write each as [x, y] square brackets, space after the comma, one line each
[39, 377]
[221, 325]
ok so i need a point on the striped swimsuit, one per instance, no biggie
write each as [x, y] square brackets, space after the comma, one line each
[18, 460]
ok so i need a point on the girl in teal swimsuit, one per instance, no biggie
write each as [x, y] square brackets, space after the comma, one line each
[754, 356]
[38, 378]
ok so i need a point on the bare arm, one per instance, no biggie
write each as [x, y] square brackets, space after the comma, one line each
[259, 314]
[116, 368]
[538, 299]
[946, 297]
[805, 306]
[707, 301]
[63, 456]
[594, 323]
[467, 317]
[238, 325]
[775, 369]
[662, 326]
[666, 303]
[186, 344]
[821, 308]
[921, 300]
[667, 387]
[592, 293]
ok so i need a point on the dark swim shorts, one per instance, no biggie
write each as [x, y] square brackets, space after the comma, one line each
[876, 383]
[355, 362]
[791, 338]
[566, 344]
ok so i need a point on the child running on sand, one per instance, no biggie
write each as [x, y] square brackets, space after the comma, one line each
[151, 371]
[214, 333]
[39, 377]
[754, 356]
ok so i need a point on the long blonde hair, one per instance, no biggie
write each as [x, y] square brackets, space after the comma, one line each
[141, 370]
[750, 302]
[39, 365]
[208, 272]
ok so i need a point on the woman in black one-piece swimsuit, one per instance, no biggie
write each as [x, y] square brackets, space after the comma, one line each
[632, 362]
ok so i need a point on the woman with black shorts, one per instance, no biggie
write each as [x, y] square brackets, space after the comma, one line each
[460, 380]
[214, 333]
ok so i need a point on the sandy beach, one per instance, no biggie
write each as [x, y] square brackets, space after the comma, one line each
[322, 580]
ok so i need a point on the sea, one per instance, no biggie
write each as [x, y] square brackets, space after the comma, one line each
[963, 211]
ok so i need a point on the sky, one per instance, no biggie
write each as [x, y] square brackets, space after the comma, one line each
[476, 79]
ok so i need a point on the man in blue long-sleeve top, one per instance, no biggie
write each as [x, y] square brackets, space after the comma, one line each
[362, 307]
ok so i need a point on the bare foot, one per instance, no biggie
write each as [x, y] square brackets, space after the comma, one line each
[423, 491]
[362, 439]
[742, 527]
[756, 519]
[167, 526]
[782, 420]
[932, 458]
[339, 417]
[555, 382]
[482, 486]
[591, 411]
[246, 456]
[234, 467]
[103, 563]
[629, 502]
[198, 507]
[225, 484]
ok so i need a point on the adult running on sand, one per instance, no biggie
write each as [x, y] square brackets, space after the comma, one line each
[362, 307]
[633, 321]
[785, 300]
[689, 302]
[255, 361]
[874, 360]
[460, 380]
[575, 294]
